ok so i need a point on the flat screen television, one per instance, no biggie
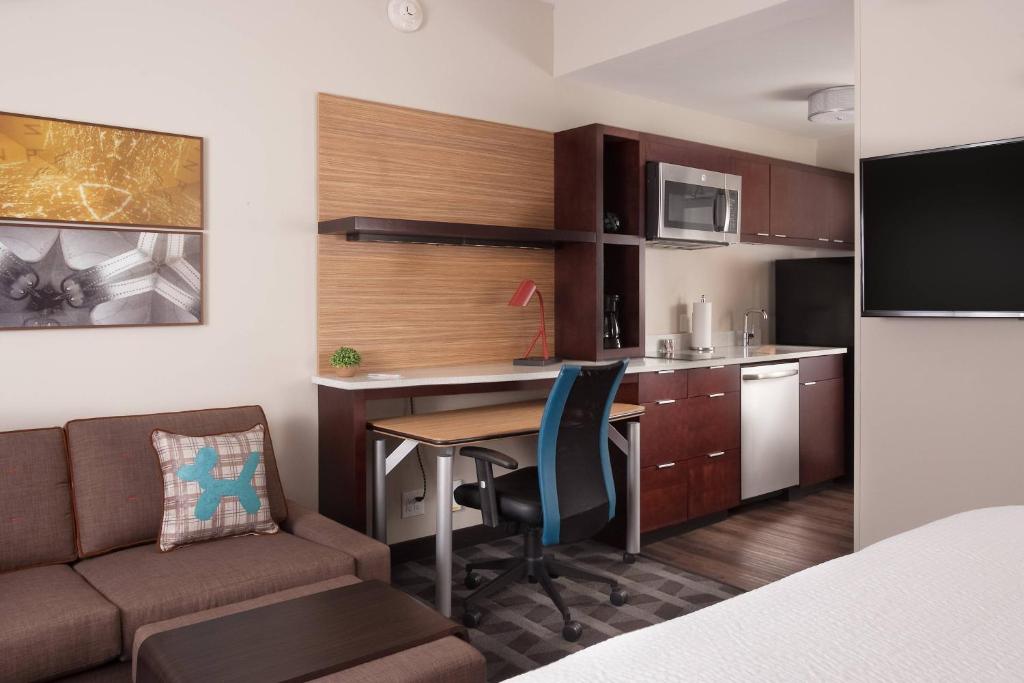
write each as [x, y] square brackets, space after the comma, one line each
[942, 232]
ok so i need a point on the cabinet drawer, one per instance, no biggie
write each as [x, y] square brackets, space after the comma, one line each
[713, 483]
[717, 379]
[664, 384]
[662, 496]
[713, 424]
[663, 432]
[818, 368]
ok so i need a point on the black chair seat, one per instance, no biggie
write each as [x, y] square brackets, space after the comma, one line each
[517, 493]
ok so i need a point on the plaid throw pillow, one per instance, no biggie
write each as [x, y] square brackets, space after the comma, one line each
[214, 486]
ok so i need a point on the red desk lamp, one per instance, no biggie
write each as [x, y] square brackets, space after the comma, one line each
[525, 292]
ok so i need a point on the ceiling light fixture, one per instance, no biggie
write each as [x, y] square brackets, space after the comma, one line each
[831, 105]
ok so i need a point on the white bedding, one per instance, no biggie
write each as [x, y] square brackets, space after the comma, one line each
[944, 602]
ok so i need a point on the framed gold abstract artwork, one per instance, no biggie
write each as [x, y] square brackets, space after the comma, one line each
[53, 170]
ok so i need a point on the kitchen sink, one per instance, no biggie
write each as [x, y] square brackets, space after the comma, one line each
[771, 350]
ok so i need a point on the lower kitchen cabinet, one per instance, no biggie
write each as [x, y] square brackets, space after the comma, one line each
[663, 430]
[822, 437]
[663, 498]
[713, 483]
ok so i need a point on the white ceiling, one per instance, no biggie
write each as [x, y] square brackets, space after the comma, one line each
[758, 68]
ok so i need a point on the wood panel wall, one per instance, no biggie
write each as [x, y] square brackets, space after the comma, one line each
[411, 305]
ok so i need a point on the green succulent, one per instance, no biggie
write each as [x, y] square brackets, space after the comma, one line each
[345, 357]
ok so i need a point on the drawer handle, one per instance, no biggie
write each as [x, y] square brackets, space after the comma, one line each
[716, 454]
[666, 465]
[777, 235]
[809, 384]
[716, 367]
[839, 241]
[763, 234]
[665, 401]
[823, 239]
[720, 394]
[666, 372]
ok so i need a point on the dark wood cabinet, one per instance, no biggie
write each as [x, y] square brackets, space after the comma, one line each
[822, 437]
[663, 430]
[656, 386]
[664, 499]
[800, 204]
[755, 207]
[713, 483]
[812, 205]
[713, 424]
[714, 380]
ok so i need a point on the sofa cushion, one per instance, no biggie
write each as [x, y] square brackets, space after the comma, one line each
[53, 622]
[36, 526]
[115, 473]
[148, 585]
[214, 486]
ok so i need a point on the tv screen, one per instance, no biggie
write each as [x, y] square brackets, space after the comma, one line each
[942, 232]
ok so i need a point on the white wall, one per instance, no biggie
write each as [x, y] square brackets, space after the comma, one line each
[591, 31]
[837, 153]
[244, 74]
[939, 400]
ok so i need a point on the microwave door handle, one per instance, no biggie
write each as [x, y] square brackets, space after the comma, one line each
[728, 211]
[714, 213]
[720, 226]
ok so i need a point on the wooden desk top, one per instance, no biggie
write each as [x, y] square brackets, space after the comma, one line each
[453, 427]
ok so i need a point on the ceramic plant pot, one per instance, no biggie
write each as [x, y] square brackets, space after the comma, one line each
[346, 371]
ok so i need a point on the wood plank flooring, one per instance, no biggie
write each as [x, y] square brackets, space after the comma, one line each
[765, 541]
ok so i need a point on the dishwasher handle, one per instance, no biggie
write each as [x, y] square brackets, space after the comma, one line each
[777, 374]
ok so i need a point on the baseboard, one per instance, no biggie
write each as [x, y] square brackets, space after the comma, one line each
[421, 548]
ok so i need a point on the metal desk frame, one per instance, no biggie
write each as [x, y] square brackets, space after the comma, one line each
[384, 463]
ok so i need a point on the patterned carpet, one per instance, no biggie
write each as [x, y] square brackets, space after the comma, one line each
[522, 630]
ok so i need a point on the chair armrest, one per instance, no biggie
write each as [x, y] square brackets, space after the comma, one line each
[485, 458]
[373, 558]
[491, 456]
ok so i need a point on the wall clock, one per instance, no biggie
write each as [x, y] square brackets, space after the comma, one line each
[405, 15]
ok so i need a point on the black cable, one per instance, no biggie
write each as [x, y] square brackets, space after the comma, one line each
[419, 457]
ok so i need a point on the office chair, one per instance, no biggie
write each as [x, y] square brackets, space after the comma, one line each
[569, 496]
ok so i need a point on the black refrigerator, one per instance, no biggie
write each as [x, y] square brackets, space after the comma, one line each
[814, 307]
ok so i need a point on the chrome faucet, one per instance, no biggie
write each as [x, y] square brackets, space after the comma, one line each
[748, 333]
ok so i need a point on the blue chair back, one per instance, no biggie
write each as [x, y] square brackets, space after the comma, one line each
[576, 486]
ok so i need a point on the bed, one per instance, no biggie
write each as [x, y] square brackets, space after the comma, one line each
[944, 602]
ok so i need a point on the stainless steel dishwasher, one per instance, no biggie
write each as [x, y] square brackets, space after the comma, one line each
[770, 428]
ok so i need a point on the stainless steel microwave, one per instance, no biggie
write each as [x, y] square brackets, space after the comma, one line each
[689, 208]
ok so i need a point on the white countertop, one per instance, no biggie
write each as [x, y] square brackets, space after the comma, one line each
[506, 372]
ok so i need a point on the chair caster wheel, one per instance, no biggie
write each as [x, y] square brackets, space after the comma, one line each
[472, 617]
[629, 558]
[572, 631]
[532, 579]
[472, 580]
[619, 597]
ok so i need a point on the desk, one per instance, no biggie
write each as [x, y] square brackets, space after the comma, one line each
[447, 430]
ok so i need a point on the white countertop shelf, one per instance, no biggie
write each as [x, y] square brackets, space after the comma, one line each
[506, 372]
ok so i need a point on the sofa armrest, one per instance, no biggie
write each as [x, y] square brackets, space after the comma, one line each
[373, 558]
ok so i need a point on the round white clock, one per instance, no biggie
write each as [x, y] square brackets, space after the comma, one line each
[405, 15]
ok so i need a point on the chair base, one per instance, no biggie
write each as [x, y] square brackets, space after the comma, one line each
[537, 569]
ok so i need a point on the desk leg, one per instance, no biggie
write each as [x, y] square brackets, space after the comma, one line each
[443, 537]
[633, 492]
[380, 491]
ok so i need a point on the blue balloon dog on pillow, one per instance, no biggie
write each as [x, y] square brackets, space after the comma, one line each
[214, 490]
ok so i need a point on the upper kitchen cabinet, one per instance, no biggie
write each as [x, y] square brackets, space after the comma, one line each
[812, 205]
[755, 205]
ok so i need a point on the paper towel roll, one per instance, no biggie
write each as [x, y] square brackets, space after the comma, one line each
[700, 336]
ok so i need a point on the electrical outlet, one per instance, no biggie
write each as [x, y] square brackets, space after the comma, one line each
[410, 506]
[455, 484]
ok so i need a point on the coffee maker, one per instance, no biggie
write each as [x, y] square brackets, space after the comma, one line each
[612, 328]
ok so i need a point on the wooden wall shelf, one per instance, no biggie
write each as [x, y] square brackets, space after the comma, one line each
[362, 228]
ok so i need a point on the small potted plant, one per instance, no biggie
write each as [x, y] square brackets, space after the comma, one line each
[345, 361]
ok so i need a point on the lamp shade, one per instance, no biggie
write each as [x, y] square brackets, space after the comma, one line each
[831, 105]
[523, 294]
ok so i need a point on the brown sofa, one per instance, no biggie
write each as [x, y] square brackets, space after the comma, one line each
[80, 572]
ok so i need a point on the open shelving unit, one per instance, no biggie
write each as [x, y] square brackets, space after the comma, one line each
[599, 169]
